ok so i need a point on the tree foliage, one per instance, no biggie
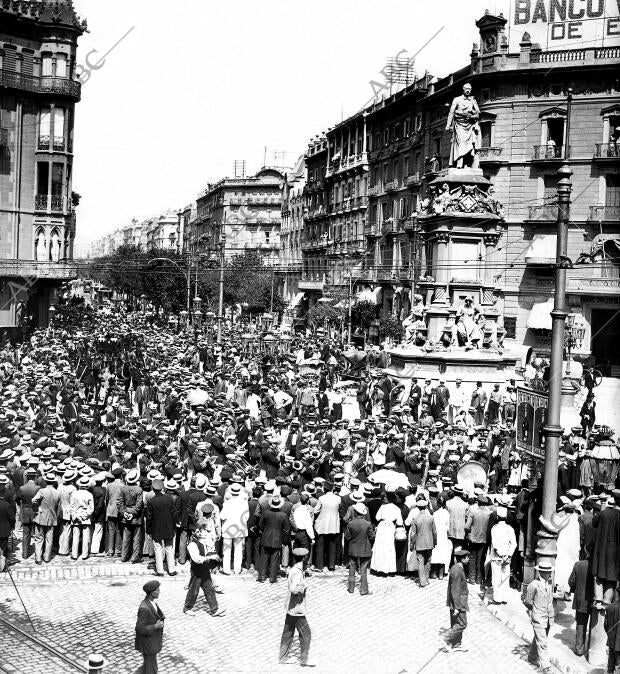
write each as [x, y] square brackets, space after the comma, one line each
[324, 313]
[134, 272]
[363, 313]
[390, 327]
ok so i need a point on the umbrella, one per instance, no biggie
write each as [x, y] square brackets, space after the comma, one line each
[344, 384]
[197, 397]
[390, 478]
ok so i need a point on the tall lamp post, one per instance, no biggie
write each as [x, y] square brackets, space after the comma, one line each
[547, 539]
[220, 311]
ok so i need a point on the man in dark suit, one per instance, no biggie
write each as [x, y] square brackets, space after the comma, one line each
[150, 628]
[422, 539]
[24, 500]
[275, 528]
[581, 583]
[458, 601]
[7, 522]
[187, 503]
[130, 510]
[360, 534]
[415, 396]
[160, 523]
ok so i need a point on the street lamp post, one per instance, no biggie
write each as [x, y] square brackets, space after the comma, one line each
[220, 311]
[547, 540]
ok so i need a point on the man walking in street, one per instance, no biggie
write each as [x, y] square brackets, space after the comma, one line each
[296, 610]
[360, 534]
[422, 540]
[201, 551]
[160, 525]
[539, 603]
[457, 602]
[150, 628]
[503, 545]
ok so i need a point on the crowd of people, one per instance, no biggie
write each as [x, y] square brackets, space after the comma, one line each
[122, 438]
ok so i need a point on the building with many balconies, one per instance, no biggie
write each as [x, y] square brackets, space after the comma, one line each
[38, 94]
[246, 211]
[291, 230]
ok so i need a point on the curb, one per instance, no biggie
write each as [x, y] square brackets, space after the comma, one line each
[526, 635]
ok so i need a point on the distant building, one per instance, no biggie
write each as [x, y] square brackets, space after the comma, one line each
[292, 228]
[245, 210]
[38, 94]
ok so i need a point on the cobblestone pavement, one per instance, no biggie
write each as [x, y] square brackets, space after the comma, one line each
[396, 629]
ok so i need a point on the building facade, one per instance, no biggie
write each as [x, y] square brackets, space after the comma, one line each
[243, 213]
[368, 177]
[291, 230]
[38, 95]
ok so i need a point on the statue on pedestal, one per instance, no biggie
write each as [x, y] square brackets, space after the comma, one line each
[468, 329]
[414, 324]
[463, 123]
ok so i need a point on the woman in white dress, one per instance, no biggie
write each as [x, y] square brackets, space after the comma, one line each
[383, 552]
[442, 552]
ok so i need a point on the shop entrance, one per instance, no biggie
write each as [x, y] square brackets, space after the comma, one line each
[605, 340]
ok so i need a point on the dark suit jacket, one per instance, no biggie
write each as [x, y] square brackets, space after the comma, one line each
[148, 639]
[612, 626]
[581, 582]
[360, 533]
[7, 518]
[275, 528]
[458, 592]
[24, 498]
[160, 517]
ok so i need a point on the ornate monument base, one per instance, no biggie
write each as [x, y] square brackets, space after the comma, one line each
[489, 367]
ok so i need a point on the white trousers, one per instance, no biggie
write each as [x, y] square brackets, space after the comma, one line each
[228, 545]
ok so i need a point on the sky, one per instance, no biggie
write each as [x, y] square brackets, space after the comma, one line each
[194, 85]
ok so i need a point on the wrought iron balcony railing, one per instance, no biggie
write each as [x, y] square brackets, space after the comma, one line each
[605, 213]
[47, 204]
[489, 154]
[607, 151]
[543, 212]
[40, 85]
[549, 152]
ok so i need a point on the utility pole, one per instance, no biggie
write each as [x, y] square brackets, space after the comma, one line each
[547, 541]
[350, 301]
[220, 311]
[271, 303]
[189, 285]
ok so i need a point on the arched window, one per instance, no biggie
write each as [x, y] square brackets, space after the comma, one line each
[40, 246]
[55, 246]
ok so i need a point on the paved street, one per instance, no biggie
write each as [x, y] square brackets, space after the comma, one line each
[396, 629]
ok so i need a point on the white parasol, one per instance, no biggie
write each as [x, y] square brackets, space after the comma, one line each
[390, 478]
[197, 397]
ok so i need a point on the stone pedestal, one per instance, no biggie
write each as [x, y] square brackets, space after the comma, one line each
[436, 315]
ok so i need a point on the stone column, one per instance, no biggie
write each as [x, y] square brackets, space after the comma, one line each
[438, 311]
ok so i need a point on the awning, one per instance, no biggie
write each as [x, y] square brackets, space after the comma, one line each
[542, 250]
[372, 296]
[540, 316]
[296, 300]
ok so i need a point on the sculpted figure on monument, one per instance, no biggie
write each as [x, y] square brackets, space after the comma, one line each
[414, 324]
[463, 123]
[468, 329]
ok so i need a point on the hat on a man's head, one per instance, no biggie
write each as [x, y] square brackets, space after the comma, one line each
[151, 586]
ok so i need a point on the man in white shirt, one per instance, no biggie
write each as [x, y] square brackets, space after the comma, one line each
[459, 400]
[327, 526]
[503, 545]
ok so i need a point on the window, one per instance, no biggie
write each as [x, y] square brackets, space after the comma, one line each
[406, 166]
[43, 172]
[418, 121]
[551, 188]
[510, 325]
[612, 190]
[61, 65]
[386, 136]
[406, 128]
[47, 65]
[27, 62]
[485, 134]
[555, 131]
[57, 179]
[45, 126]
[59, 129]
[9, 61]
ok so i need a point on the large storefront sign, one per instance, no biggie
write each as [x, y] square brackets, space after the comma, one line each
[531, 419]
[566, 24]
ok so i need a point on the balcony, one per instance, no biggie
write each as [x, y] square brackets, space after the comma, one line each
[56, 143]
[490, 155]
[549, 153]
[360, 202]
[4, 137]
[39, 270]
[604, 214]
[601, 278]
[392, 185]
[544, 213]
[433, 165]
[390, 227]
[607, 151]
[46, 204]
[413, 179]
[308, 283]
[373, 190]
[60, 86]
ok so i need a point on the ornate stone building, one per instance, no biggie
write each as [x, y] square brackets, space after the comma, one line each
[38, 93]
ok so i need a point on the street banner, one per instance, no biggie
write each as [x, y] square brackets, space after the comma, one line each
[531, 419]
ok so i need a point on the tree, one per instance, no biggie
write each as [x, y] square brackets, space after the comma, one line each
[391, 328]
[363, 314]
[323, 313]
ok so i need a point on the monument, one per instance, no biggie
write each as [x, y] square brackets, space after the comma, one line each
[455, 327]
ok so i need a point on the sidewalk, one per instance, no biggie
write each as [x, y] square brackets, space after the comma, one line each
[561, 635]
